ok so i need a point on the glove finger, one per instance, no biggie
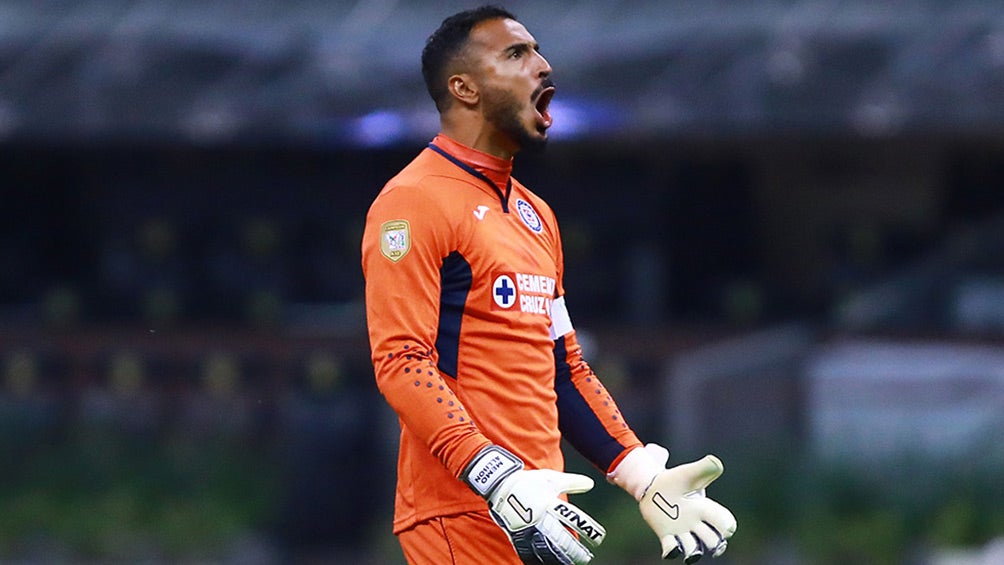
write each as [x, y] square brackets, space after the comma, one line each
[585, 525]
[702, 472]
[532, 546]
[719, 518]
[692, 550]
[722, 546]
[708, 536]
[570, 483]
[561, 542]
[671, 547]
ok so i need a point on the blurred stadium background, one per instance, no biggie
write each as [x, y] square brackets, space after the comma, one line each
[784, 231]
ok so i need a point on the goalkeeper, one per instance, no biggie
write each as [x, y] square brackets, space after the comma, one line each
[472, 344]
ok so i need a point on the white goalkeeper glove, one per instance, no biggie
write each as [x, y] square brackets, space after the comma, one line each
[526, 504]
[673, 502]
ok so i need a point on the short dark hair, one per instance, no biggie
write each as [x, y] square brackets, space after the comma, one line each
[446, 43]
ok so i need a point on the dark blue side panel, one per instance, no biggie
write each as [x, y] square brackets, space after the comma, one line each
[576, 420]
[456, 279]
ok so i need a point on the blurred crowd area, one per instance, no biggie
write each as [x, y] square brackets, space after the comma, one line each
[186, 377]
[783, 232]
[655, 232]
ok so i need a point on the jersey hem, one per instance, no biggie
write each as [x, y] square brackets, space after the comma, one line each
[408, 522]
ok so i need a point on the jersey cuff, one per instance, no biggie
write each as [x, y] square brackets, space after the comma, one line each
[617, 460]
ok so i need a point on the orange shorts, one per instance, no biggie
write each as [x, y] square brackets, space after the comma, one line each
[464, 539]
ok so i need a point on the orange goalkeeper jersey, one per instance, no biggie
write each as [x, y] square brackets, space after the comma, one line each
[471, 341]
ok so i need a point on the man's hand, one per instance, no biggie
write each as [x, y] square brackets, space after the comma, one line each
[674, 504]
[527, 505]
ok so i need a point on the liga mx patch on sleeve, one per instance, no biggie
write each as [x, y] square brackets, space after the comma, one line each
[395, 239]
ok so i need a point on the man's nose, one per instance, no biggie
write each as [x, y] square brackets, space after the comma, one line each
[545, 67]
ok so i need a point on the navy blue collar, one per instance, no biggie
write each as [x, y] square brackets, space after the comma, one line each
[503, 195]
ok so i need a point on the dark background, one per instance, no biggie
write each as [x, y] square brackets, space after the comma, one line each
[782, 223]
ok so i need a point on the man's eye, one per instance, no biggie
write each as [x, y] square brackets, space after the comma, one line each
[516, 54]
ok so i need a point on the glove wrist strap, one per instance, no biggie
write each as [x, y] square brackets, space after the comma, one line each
[635, 472]
[489, 468]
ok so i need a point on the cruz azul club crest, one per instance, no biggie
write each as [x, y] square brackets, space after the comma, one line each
[529, 215]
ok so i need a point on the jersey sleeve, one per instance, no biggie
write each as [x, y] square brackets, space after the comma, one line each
[405, 241]
[587, 413]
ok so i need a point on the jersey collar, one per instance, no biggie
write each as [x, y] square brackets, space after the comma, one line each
[494, 171]
[497, 169]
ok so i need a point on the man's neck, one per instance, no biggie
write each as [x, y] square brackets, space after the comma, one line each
[478, 134]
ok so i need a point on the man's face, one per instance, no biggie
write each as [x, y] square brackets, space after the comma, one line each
[514, 77]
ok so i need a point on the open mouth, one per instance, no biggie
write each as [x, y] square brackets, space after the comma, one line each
[541, 104]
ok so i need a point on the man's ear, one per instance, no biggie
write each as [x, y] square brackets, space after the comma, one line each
[464, 89]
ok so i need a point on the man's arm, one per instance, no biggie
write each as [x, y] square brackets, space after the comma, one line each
[672, 501]
[587, 413]
[588, 416]
[402, 253]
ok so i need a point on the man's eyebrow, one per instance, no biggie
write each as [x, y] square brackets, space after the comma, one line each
[522, 47]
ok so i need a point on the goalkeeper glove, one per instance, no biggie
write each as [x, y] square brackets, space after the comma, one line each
[526, 504]
[673, 502]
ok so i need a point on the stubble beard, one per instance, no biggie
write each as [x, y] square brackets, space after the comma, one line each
[502, 111]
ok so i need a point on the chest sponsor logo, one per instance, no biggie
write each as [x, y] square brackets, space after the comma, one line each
[395, 239]
[523, 292]
[529, 215]
[504, 292]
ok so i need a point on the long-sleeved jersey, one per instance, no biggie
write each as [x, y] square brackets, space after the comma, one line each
[471, 341]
